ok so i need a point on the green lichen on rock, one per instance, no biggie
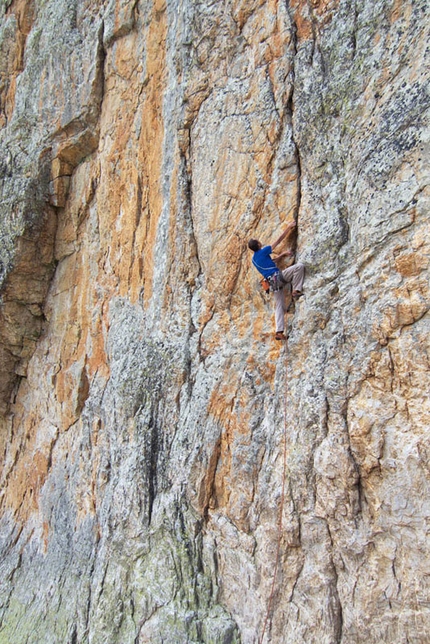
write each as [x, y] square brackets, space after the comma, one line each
[5, 4]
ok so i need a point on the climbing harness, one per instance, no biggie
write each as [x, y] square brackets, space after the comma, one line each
[281, 508]
[273, 283]
[276, 281]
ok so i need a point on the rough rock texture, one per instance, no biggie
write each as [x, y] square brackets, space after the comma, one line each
[153, 433]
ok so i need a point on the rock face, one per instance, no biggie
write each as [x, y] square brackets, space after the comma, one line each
[170, 473]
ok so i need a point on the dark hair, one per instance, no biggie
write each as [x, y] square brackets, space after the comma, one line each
[254, 244]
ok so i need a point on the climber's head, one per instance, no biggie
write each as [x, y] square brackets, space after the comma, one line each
[254, 244]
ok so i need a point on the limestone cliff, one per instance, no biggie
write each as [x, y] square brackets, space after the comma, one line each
[159, 447]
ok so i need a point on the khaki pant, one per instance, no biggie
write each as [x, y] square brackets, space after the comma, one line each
[293, 275]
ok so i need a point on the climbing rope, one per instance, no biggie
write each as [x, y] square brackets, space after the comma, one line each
[281, 509]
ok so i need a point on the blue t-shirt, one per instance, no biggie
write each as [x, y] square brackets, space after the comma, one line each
[263, 262]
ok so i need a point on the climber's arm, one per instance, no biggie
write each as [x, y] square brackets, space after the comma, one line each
[287, 253]
[288, 230]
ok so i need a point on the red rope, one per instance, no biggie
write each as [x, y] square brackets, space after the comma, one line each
[281, 510]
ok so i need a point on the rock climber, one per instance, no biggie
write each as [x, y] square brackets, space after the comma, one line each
[277, 278]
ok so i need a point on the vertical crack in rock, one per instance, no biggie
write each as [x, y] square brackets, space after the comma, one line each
[290, 108]
[338, 614]
[151, 457]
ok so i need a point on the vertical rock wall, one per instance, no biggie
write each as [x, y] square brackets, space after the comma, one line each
[153, 432]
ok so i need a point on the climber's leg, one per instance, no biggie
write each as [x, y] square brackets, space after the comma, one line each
[279, 310]
[295, 274]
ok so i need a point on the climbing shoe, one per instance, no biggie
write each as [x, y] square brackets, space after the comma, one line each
[279, 335]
